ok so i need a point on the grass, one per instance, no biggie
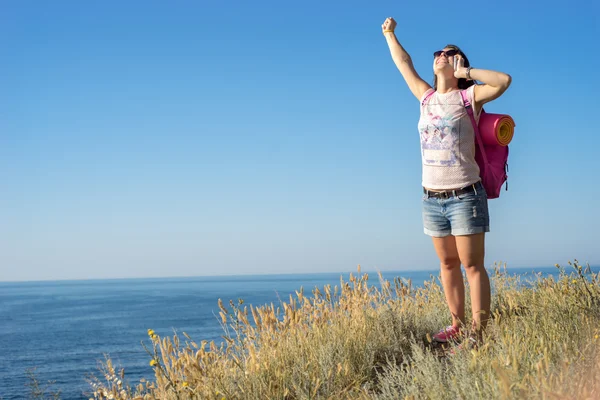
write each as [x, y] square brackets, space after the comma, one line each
[361, 341]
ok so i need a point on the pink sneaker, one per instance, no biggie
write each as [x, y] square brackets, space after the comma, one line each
[447, 334]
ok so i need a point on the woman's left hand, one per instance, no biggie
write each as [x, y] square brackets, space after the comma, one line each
[459, 67]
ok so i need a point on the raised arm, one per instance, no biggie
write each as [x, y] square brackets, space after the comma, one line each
[494, 83]
[403, 61]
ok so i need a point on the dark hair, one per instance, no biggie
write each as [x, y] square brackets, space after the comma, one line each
[462, 83]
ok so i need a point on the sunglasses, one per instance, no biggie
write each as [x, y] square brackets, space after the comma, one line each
[448, 53]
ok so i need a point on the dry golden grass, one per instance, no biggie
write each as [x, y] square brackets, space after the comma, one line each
[359, 341]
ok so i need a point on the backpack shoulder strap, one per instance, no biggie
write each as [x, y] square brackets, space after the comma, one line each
[432, 91]
[463, 94]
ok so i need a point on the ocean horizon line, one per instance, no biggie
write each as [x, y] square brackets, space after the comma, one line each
[266, 274]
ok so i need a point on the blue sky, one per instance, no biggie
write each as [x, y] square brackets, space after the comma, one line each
[151, 138]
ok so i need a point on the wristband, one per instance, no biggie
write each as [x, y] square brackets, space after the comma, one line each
[469, 74]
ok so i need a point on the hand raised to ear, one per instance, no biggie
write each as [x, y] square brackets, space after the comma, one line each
[459, 67]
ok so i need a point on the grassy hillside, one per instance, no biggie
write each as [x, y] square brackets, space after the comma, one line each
[364, 341]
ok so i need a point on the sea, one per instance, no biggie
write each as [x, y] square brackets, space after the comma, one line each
[61, 330]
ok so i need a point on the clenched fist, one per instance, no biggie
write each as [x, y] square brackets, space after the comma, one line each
[388, 25]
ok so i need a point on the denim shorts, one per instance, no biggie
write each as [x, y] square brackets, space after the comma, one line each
[465, 214]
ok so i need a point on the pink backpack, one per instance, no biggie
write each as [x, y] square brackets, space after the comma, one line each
[492, 159]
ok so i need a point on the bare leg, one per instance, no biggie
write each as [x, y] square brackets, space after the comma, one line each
[452, 280]
[471, 250]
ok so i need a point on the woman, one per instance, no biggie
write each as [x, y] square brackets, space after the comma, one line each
[455, 209]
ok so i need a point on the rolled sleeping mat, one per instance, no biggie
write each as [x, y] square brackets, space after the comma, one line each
[496, 129]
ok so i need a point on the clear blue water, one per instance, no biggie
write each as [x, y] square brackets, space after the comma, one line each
[63, 328]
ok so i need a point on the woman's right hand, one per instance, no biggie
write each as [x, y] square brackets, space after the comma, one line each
[388, 25]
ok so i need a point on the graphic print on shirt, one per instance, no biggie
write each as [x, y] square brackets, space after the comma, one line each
[439, 141]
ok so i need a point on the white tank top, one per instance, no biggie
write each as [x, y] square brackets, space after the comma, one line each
[447, 141]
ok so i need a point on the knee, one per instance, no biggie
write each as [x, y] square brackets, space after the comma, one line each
[473, 267]
[450, 263]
